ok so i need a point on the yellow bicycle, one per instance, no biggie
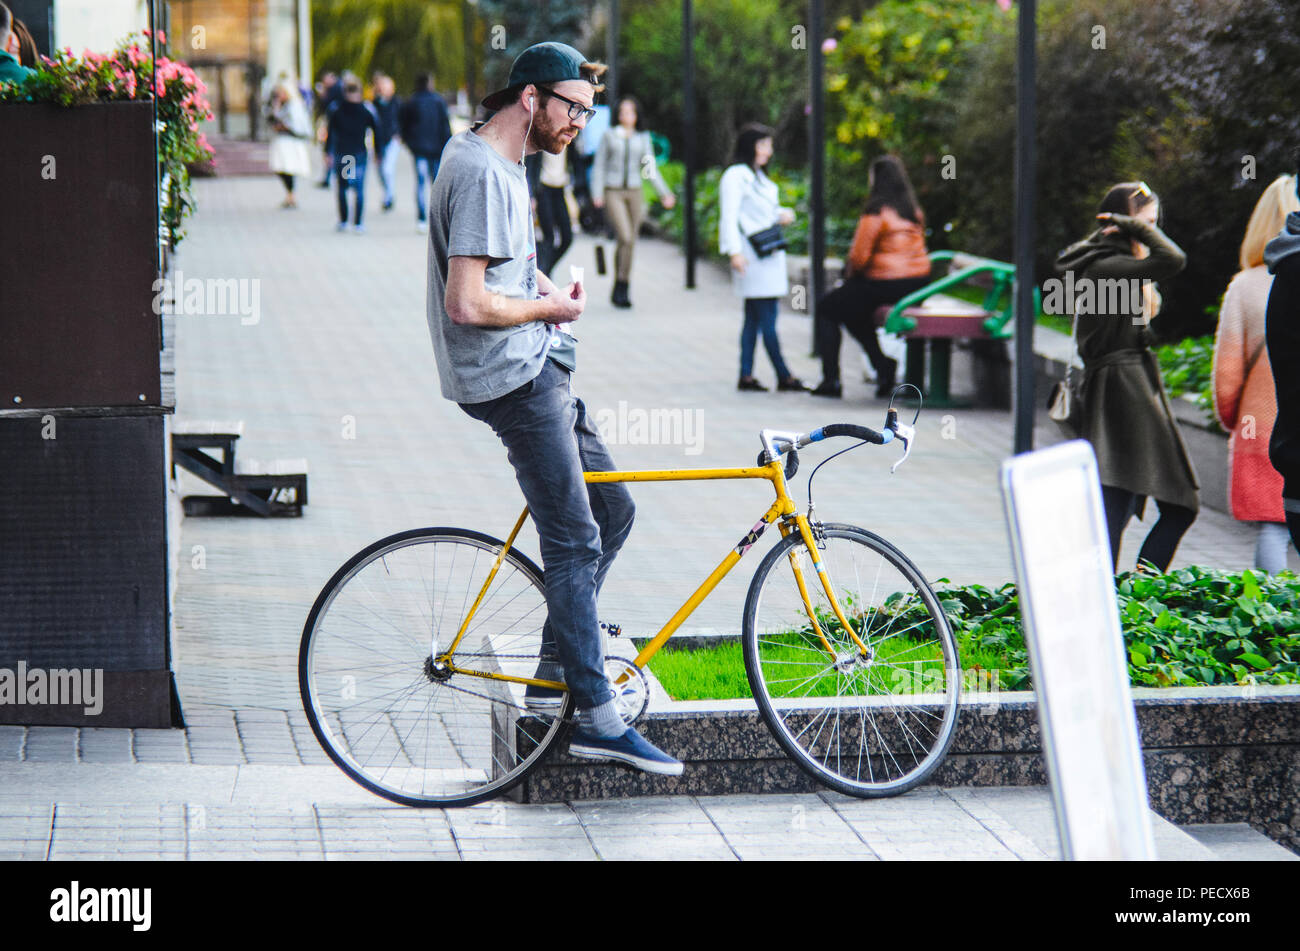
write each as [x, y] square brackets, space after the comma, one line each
[418, 656]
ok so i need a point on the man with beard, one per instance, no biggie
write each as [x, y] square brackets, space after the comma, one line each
[504, 355]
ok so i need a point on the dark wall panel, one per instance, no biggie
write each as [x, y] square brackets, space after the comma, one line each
[83, 544]
[77, 326]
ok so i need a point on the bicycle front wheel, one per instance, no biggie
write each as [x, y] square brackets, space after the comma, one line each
[406, 727]
[868, 713]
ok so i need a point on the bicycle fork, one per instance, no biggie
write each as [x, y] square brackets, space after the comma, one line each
[806, 531]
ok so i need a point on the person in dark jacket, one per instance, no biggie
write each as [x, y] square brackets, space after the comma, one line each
[425, 128]
[1282, 332]
[328, 91]
[1126, 412]
[386, 106]
[349, 120]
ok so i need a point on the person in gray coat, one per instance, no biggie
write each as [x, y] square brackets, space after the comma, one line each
[1126, 412]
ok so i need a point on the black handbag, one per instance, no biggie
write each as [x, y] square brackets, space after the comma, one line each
[768, 241]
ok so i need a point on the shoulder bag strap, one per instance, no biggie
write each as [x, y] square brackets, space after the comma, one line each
[1259, 352]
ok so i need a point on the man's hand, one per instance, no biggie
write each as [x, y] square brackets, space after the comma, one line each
[568, 304]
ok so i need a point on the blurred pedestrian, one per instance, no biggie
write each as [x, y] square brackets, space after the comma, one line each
[1245, 399]
[349, 120]
[626, 156]
[1282, 324]
[328, 91]
[425, 128]
[386, 106]
[548, 181]
[749, 205]
[11, 69]
[887, 261]
[290, 132]
[1126, 412]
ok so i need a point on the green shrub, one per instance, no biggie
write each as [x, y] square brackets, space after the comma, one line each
[1188, 627]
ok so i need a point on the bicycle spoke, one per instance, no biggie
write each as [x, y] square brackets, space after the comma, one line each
[825, 699]
[416, 733]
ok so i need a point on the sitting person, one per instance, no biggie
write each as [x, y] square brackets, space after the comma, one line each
[887, 261]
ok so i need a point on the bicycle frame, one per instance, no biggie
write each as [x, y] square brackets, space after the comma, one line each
[783, 508]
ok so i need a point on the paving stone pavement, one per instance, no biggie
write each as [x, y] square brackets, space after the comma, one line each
[181, 818]
[338, 368]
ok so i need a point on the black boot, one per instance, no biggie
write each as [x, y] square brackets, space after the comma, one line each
[619, 297]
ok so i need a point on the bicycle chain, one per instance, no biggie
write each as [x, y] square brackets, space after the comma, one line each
[483, 696]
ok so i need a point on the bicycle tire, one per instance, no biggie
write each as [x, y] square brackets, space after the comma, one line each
[369, 688]
[879, 704]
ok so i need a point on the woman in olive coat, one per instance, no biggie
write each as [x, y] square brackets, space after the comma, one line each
[1126, 412]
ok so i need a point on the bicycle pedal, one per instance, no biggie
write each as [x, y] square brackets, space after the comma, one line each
[614, 630]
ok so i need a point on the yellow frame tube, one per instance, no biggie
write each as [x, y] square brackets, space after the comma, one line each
[496, 565]
[773, 472]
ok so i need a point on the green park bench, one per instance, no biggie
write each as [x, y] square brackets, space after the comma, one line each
[930, 315]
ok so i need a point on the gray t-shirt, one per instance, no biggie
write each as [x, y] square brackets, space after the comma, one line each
[480, 208]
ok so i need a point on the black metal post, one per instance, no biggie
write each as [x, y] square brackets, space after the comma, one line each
[611, 56]
[688, 119]
[1026, 106]
[817, 170]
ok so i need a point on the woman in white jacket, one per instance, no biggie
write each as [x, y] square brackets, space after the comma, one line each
[748, 203]
[291, 131]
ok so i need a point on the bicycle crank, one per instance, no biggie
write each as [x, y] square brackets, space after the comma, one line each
[632, 694]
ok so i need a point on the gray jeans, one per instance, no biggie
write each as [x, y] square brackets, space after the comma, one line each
[550, 440]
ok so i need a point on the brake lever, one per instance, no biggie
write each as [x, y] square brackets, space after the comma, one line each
[902, 433]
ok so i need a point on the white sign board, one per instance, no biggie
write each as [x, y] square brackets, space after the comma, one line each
[1076, 652]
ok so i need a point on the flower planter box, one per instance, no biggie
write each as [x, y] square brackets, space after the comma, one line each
[83, 401]
[79, 260]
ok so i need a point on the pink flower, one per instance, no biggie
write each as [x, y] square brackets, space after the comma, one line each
[829, 45]
[162, 37]
[1005, 5]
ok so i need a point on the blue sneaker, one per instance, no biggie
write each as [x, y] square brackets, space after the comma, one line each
[630, 748]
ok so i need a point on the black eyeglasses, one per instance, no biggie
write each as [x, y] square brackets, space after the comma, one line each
[576, 109]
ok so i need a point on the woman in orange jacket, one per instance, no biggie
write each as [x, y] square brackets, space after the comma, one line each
[1245, 399]
[887, 261]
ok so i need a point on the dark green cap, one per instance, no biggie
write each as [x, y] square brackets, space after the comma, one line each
[540, 63]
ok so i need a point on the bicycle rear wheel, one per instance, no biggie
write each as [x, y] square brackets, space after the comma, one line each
[402, 726]
[866, 723]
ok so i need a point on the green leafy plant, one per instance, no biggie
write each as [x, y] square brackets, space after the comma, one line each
[1194, 626]
[1187, 367]
[128, 74]
[1190, 627]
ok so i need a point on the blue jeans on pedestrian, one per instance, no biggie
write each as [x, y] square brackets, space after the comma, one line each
[426, 170]
[388, 169]
[550, 440]
[760, 315]
[351, 170]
